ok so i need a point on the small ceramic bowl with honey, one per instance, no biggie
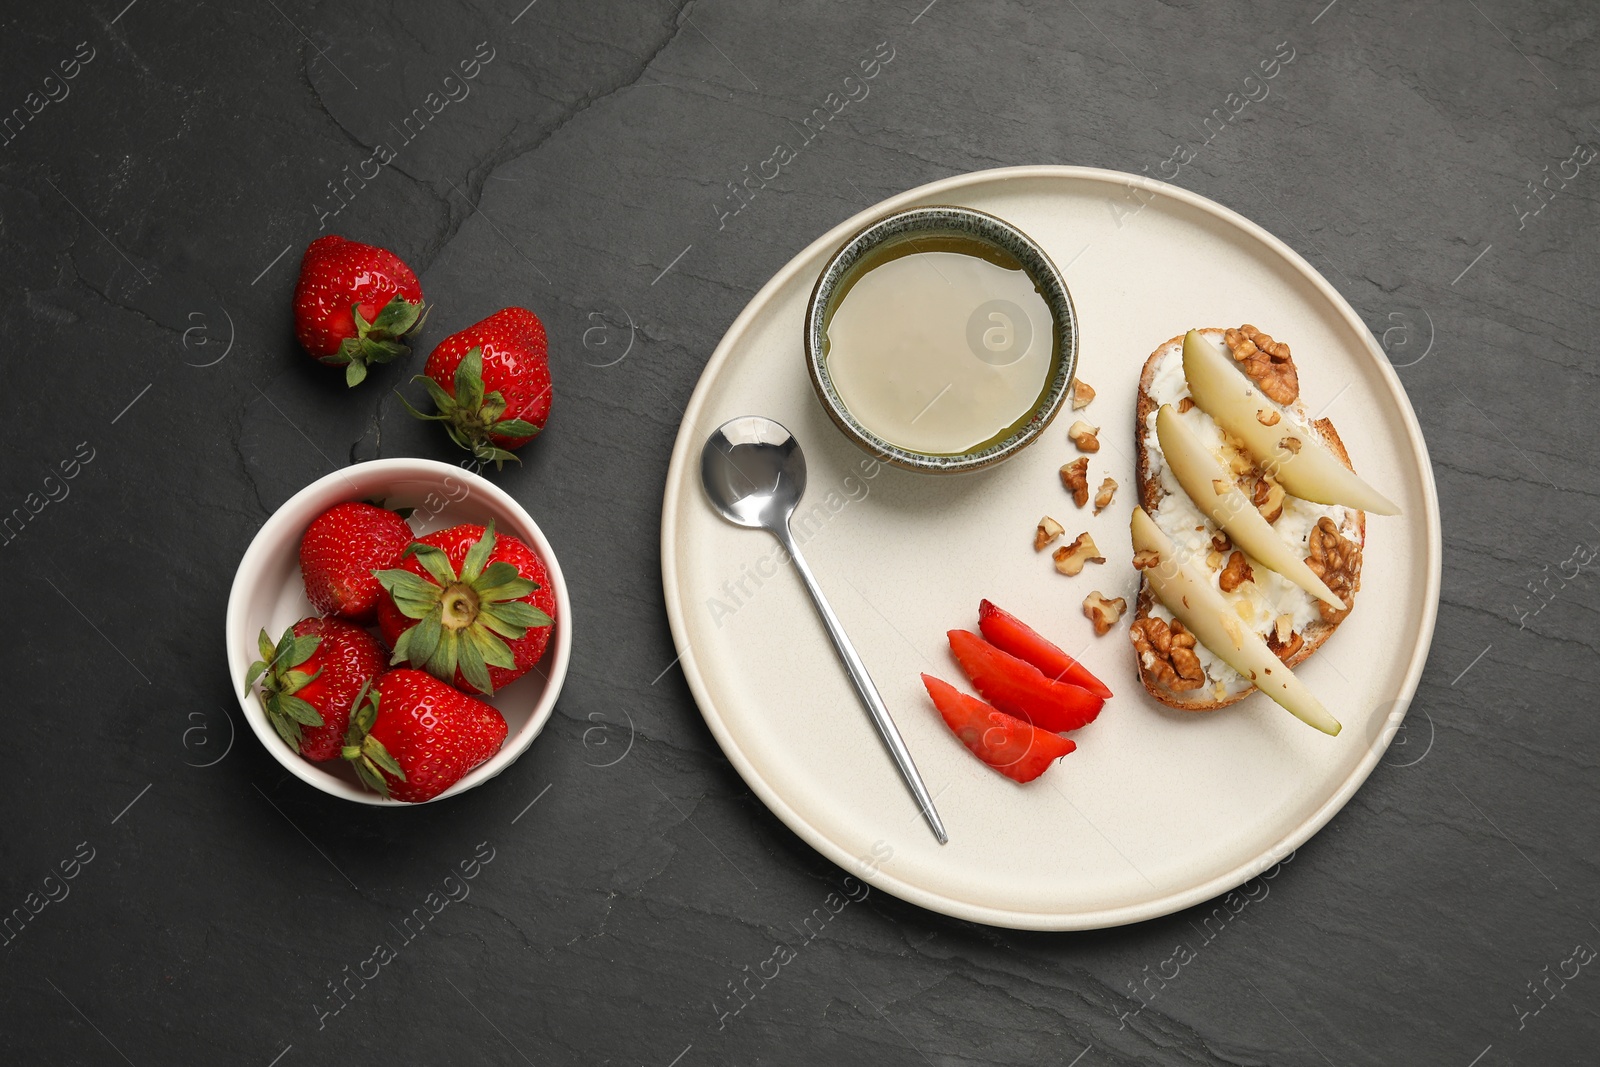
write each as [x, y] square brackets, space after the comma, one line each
[941, 339]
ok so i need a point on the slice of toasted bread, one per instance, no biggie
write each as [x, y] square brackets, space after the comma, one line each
[1350, 522]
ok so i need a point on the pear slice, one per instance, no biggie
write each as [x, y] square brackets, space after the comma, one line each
[1300, 462]
[1197, 604]
[1213, 492]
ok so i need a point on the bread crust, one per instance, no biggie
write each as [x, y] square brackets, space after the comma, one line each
[1150, 496]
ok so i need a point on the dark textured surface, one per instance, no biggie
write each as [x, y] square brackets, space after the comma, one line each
[143, 216]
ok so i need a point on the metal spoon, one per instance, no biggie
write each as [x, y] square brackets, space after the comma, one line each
[755, 474]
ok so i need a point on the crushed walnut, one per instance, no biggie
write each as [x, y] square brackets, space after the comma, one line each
[1268, 418]
[1047, 530]
[1145, 558]
[1075, 476]
[1236, 573]
[1070, 559]
[1268, 499]
[1084, 436]
[1220, 542]
[1167, 651]
[1102, 498]
[1290, 444]
[1185, 405]
[1082, 393]
[1337, 561]
[1266, 361]
[1103, 613]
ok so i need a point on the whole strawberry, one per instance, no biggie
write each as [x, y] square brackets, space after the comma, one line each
[413, 737]
[340, 550]
[354, 305]
[310, 681]
[491, 384]
[468, 606]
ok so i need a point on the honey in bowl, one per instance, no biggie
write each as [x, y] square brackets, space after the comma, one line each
[940, 343]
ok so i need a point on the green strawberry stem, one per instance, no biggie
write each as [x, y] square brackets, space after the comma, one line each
[280, 682]
[472, 417]
[378, 341]
[463, 620]
[365, 752]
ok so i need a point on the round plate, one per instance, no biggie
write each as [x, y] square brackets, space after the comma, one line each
[1157, 810]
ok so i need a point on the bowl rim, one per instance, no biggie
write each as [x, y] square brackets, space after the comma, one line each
[277, 527]
[934, 218]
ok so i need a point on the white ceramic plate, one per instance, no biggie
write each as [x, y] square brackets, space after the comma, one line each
[269, 592]
[1157, 810]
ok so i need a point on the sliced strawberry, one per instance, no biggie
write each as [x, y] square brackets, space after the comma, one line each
[1010, 634]
[1017, 688]
[1011, 746]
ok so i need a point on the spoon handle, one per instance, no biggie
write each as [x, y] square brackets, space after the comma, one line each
[868, 691]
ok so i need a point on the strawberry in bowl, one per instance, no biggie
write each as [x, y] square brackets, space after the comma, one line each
[311, 680]
[471, 607]
[413, 737]
[340, 551]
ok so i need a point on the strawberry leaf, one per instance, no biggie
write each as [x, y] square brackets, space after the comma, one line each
[413, 595]
[424, 637]
[298, 710]
[478, 555]
[515, 428]
[473, 668]
[433, 560]
[519, 613]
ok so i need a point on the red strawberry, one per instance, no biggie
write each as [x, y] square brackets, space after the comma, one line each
[354, 304]
[1017, 688]
[1010, 745]
[311, 679]
[414, 737]
[340, 550]
[468, 606]
[1010, 634]
[491, 384]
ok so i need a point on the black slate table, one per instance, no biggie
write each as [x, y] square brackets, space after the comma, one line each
[174, 898]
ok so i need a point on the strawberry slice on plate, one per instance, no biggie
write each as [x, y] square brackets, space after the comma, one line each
[1013, 747]
[413, 737]
[1010, 634]
[1017, 687]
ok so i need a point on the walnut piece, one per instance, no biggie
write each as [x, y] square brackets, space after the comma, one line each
[1268, 418]
[1102, 498]
[1185, 405]
[1071, 558]
[1075, 476]
[1337, 561]
[1268, 499]
[1236, 573]
[1266, 361]
[1084, 436]
[1047, 530]
[1289, 444]
[1103, 613]
[1220, 542]
[1145, 558]
[1167, 651]
[1082, 393]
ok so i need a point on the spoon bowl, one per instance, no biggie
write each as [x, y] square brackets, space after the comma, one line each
[754, 472]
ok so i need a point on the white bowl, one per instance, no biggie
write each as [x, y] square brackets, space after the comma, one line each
[269, 593]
